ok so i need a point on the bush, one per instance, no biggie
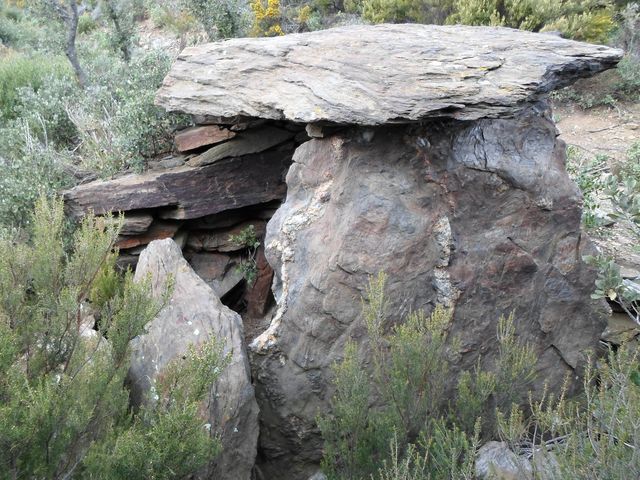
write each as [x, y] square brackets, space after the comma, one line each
[219, 18]
[588, 20]
[86, 24]
[28, 169]
[411, 430]
[118, 124]
[65, 411]
[21, 71]
[399, 11]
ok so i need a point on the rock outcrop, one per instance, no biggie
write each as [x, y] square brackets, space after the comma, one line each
[477, 216]
[193, 315]
[426, 152]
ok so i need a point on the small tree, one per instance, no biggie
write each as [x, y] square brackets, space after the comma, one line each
[67, 13]
[64, 411]
[219, 18]
[120, 14]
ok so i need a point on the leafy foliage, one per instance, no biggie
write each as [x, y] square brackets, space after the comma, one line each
[248, 241]
[219, 18]
[412, 431]
[266, 18]
[64, 411]
[21, 71]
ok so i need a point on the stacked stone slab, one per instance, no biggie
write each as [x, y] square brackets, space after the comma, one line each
[433, 158]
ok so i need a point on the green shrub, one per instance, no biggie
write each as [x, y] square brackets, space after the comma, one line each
[118, 124]
[45, 111]
[589, 20]
[248, 241]
[86, 24]
[399, 11]
[629, 71]
[396, 421]
[20, 71]
[28, 169]
[65, 410]
[591, 437]
[219, 18]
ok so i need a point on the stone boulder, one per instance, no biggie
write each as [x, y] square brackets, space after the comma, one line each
[477, 216]
[496, 461]
[434, 158]
[193, 315]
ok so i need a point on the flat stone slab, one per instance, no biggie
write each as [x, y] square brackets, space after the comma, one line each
[372, 75]
[188, 192]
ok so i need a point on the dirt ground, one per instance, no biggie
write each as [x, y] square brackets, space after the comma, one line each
[608, 131]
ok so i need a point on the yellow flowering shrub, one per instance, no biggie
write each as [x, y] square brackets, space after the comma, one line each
[266, 18]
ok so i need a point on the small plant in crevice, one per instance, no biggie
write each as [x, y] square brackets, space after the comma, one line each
[247, 240]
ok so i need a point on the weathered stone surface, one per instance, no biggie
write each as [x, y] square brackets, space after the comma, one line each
[495, 461]
[249, 141]
[220, 240]
[192, 316]
[157, 231]
[220, 271]
[478, 216]
[201, 136]
[372, 75]
[188, 192]
[136, 223]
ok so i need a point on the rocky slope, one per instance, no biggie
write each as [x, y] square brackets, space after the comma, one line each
[433, 158]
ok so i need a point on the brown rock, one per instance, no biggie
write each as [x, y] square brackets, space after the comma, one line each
[188, 192]
[478, 216]
[157, 231]
[249, 141]
[197, 137]
[258, 295]
[220, 240]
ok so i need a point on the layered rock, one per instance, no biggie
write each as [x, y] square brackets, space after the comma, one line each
[433, 158]
[374, 75]
[193, 315]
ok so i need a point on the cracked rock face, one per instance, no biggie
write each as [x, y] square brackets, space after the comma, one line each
[479, 216]
[373, 75]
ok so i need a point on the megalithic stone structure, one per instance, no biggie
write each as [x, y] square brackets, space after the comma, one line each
[434, 158]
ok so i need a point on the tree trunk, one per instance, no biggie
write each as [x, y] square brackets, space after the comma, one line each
[70, 50]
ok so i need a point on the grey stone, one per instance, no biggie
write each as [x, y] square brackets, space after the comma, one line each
[478, 216]
[221, 240]
[495, 461]
[220, 271]
[377, 74]
[136, 223]
[193, 315]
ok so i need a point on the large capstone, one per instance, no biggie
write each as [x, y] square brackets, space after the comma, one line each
[374, 75]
